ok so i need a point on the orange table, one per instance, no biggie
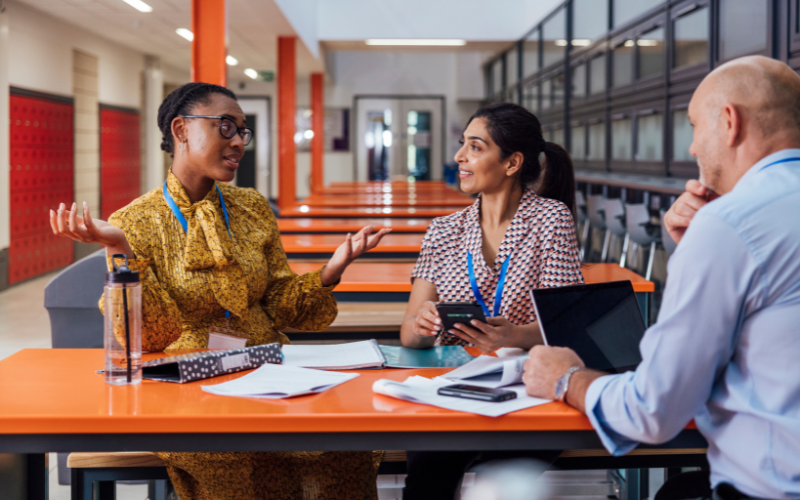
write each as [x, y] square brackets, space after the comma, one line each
[388, 200]
[304, 246]
[356, 212]
[312, 226]
[52, 400]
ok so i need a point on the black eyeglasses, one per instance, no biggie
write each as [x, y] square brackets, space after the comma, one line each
[227, 128]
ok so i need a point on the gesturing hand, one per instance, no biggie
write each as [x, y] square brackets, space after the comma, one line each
[349, 251]
[86, 230]
[488, 337]
[682, 212]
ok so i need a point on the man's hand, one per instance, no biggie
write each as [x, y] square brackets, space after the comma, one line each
[546, 365]
[682, 212]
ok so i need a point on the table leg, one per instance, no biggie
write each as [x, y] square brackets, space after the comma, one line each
[37, 475]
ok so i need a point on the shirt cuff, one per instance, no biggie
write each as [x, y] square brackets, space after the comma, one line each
[139, 265]
[314, 281]
[615, 443]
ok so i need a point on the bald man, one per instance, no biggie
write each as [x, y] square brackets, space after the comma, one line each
[726, 348]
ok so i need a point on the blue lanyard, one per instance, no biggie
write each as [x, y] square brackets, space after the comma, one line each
[498, 293]
[185, 224]
[785, 160]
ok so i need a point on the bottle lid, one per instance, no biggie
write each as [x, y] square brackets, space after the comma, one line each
[121, 274]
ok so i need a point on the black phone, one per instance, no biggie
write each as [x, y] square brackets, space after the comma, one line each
[474, 392]
[459, 312]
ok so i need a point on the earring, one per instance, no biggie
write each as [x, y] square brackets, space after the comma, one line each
[183, 147]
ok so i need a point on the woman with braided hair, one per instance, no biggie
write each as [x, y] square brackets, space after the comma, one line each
[209, 253]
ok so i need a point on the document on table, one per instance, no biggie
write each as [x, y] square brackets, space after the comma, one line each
[423, 390]
[489, 371]
[352, 356]
[278, 381]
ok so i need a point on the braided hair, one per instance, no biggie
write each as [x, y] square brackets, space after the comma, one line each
[180, 102]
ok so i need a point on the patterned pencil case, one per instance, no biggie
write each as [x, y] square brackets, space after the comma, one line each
[201, 365]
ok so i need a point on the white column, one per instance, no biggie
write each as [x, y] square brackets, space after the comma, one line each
[153, 165]
[5, 194]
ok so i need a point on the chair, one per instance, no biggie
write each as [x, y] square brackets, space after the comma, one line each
[643, 233]
[71, 299]
[615, 221]
[669, 243]
[583, 223]
[595, 212]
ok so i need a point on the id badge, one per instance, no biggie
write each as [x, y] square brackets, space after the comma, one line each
[220, 337]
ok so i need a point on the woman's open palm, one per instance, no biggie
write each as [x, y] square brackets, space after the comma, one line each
[83, 228]
[350, 250]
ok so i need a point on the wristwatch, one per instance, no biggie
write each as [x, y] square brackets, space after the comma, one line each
[562, 384]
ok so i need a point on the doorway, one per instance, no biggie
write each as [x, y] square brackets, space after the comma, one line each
[399, 137]
[254, 167]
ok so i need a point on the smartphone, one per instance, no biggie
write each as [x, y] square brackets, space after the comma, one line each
[475, 392]
[459, 312]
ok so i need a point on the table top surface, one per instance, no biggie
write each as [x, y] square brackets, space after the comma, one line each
[435, 199]
[56, 391]
[328, 243]
[376, 211]
[666, 185]
[396, 276]
[342, 225]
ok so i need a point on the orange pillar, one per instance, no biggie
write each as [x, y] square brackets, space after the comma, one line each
[210, 44]
[287, 106]
[318, 127]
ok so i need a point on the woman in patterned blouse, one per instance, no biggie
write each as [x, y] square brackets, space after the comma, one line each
[524, 213]
[191, 277]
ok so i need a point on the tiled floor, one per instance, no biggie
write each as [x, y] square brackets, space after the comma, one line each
[23, 319]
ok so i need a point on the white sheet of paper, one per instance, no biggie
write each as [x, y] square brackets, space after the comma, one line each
[489, 371]
[423, 390]
[351, 356]
[221, 341]
[278, 381]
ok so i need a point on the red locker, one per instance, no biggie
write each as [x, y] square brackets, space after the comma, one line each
[119, 159]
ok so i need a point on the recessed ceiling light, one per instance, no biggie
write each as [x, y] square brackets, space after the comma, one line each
[139, 5]
[232, 61]
[251, 73]
[185, 33]
[416, 41]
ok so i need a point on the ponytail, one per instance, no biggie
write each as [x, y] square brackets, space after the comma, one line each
[515, 129]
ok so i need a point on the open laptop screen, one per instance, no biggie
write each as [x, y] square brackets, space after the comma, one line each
[602, 323]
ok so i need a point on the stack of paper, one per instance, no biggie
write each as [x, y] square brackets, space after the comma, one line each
[352, 356]
[489, 371]
[278, 381]
[423, 390]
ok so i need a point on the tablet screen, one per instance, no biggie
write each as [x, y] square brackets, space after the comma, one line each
[602, 323]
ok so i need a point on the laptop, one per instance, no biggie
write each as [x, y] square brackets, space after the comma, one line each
[602, 323]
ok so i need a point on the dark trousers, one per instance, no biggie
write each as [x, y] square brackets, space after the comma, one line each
[696, 485]
[437, 475]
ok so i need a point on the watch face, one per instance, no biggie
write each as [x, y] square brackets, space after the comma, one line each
[561, 386]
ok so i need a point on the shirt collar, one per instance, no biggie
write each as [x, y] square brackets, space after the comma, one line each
[767, 161]
[178, 193]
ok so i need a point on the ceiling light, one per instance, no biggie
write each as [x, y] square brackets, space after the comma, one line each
[416, 41]
[232, 61]
[647, 43]
[251, 73]
[576, 42]
[139, 5]
[185, 33]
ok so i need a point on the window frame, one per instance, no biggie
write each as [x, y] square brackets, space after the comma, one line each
[651, 167]
[701, 69]
[567, 21]
[682, 169]
[579, 162]
[594, 119]
[794, 26]
[538, 30]
[771, 34]
[616, 42]
[615, 165]
[657, 22]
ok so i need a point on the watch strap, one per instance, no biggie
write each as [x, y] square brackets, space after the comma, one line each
[563, 383]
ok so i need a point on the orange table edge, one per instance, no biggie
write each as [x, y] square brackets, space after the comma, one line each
[332, 225]
[328, 243]
[410, 212]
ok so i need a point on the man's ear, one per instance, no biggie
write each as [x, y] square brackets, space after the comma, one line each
[514, 163]
[732, 123]
[179, 131]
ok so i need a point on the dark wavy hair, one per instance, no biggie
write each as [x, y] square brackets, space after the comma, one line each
[180, 102]
[515, 129]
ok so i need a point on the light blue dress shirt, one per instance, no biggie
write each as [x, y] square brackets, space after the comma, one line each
[726, 348]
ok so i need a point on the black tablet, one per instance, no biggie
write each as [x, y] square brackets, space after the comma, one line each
[602, 323]
[459, 312]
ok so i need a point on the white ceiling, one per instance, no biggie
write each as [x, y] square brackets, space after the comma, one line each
[253, 28]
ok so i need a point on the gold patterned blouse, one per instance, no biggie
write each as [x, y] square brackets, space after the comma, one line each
[189, 279]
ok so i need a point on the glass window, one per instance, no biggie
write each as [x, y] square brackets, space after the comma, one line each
[554, 33]
[623, 64]
[511, 95]
[530, 54]
[590, 21]
[578, 146]
[597, 142]
[547, 94]
[579, 80]
[651, 53]
[621, 140]
[691, 38]
[558, 136]
[742, 27]
[497, 76]
[512, 64]
[597, 67]
[531, 97]
[651, 137]
[558, 90]
[682, 135]
[628, 10]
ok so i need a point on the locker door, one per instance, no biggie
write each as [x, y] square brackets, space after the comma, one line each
[120, 159]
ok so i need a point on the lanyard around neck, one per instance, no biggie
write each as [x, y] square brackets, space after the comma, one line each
[179, 215]
[185, 225]
[498, 293]
[785, 160]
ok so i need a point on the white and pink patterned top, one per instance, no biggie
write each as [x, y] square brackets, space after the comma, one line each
[540, 242]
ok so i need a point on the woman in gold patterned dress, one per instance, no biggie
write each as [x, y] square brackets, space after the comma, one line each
[191, 275]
